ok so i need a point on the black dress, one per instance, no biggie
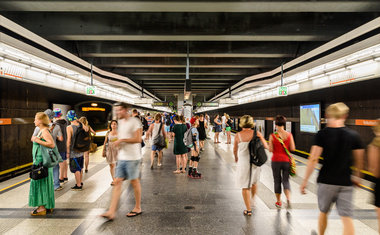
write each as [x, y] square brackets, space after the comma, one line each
[202, 130]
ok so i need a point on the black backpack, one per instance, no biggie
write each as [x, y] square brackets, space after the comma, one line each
[257, 152]
[168, 122]
[82, 140]
[61, 145]
[145, 124]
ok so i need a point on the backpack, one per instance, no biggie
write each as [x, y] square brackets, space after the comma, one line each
[188, 138]
[168, 121]
[145, 124]
[61, 145]
[159, 139]
[257, 152]
[82, 140]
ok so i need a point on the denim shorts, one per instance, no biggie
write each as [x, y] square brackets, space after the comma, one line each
[128, 170]
[156, 148]
[167, 129]
[64, 156]
[76, 164]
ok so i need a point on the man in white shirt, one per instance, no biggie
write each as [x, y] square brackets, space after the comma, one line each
[129, 159]
[224, 119]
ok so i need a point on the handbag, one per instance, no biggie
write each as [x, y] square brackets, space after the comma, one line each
[38, 171]
[159, 140]
[50, 156]
[292, 161]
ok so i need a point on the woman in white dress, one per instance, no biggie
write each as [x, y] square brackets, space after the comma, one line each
[247, 174]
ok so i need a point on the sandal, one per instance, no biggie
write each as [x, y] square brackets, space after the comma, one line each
[36, 213]
[177, 172]
[133, 214]
[247, 212]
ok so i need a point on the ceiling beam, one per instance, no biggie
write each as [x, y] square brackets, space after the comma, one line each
[191, 55]
[189, 6]
[110, 37]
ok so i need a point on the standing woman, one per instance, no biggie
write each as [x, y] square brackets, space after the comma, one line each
[84, 121]
[374, 165]
[228, 128]
[280, 144]
[218, 128]
[202, 131]
[180, 150]
[109, 150]
[41, 194]
[248, 174]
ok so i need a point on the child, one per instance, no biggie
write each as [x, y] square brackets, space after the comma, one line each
[193, 173]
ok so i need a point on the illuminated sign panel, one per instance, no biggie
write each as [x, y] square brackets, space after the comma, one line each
[86, 109]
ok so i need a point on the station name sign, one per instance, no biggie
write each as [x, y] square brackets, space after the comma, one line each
[210, 104]
[165, 104]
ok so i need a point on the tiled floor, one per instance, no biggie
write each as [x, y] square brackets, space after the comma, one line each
[215, 203]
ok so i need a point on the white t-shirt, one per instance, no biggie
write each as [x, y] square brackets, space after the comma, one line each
[126, 130]
[223, 119]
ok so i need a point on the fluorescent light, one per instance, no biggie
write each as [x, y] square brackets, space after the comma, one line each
[362, 64]
[336, 71]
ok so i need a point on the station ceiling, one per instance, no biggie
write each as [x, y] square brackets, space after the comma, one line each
[147, 41]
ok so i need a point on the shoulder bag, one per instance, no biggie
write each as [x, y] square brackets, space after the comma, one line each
[292, 170]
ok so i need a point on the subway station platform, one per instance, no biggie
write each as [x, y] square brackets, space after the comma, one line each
[176, 204]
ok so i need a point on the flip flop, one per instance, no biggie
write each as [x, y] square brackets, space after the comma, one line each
[133, 214]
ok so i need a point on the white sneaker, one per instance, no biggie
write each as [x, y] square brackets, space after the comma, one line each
[159, 164]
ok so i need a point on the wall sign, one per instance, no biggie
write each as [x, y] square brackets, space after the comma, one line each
[90, 90]
[5, 121]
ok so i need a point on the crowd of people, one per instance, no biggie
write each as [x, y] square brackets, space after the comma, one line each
[340, 146]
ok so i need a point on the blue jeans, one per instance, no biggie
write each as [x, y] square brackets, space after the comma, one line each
[56, 176]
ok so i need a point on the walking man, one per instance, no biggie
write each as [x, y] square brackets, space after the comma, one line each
[340, 147]
[129, 159]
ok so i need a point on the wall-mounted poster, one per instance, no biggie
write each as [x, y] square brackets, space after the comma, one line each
[288, 127]
[260, 126]
[236, 124]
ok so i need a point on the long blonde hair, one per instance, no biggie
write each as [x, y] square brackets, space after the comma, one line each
[84, 121]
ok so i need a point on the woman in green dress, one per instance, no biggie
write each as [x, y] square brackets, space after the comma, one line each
[41, 194]
[180, 150]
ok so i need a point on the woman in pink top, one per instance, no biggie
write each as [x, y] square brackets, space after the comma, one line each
[278, 141]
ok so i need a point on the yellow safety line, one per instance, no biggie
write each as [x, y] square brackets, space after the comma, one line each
[363, 186]
[14, 184]
[16, 168]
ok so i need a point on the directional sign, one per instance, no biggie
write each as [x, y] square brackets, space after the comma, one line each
[210, 104]
[90, 90]
[165, 104]
[283, 91]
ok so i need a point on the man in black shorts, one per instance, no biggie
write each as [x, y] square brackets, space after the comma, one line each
[340, 148]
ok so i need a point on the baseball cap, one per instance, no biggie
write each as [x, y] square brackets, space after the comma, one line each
[49, 113]
[57, 112]
[71, 115]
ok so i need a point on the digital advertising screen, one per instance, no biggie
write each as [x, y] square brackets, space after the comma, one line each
[310, 118]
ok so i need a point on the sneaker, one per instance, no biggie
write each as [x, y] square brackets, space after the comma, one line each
[85, 171]
[288, 205]
[61, 181]
[66, 179]
[76, 188]
[278, 205]
[159, 164]
[59, 188]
